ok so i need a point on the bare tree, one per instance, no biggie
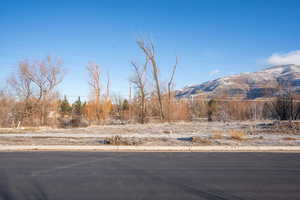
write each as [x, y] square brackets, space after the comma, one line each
[99, 107]
[285, 107]
[47, 75]
[35, 82]
[108, 88]
[21, 83]
[139, 81]
[170, 85]
[95, 84]
[95, 79]
[149, 51]
[7, 105]
[107, 104]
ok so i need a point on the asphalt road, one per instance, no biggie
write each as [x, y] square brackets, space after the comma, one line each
[128, 176]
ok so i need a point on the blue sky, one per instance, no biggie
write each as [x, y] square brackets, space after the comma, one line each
[212, 38]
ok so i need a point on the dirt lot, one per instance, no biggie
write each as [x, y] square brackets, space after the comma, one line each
[181, 133]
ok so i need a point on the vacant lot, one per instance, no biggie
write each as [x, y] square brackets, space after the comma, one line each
[182, 133]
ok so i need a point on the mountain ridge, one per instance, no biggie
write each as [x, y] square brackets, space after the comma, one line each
[250, 85]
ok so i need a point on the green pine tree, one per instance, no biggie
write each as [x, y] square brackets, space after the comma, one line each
[125, 105]
[65, 108]
[211, 109]
[78, 107]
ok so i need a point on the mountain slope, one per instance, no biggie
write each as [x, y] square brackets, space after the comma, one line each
[253, 85]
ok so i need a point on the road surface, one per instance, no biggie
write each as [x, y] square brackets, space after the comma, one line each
[145, 175]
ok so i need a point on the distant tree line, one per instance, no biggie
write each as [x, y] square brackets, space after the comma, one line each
[31, 98]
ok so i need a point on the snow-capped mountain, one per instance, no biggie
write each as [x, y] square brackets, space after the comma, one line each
[264, 83]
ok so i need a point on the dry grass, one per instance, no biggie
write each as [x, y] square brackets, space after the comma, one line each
[168, 131]
[118, 140]
[19, 130]
[217, 134]
[115, 140]
[289, 138]
[237, 134]
[201, 140]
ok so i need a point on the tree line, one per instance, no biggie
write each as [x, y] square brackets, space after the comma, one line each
[31, 98]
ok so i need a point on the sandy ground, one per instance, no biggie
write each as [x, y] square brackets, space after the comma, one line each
[260, 133]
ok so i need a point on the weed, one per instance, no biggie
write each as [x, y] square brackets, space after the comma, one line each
[289, 138]
[217, 135]
[118, 140]
[237, 134]
[201, 140]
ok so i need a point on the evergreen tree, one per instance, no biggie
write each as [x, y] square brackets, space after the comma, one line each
[125, 105]
[65, 107]
[78, 107]
[211, 109]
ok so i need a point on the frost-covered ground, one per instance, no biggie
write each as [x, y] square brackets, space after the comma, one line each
[181, 133]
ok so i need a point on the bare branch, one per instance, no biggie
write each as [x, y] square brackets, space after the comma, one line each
[149, 51]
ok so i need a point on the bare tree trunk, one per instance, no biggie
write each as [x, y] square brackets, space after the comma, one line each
[95, 84]
[139, 80]
[150, 54]
[34, 83]
[108, 87]
[169, 87]
[130, 102]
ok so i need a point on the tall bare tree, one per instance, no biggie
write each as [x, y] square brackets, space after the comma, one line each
[139, 81]
[170, 85]
[149, 52]
[95, 79]
[95, 84]
[107, 95]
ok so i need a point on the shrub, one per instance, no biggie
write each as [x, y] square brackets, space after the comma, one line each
[217, 135]
[237, 134]
[289, 138]
[201, 140]
[118, 140]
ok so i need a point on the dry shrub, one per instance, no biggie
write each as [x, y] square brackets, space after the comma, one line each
[218, 109]
[178, 110]
[19, 130]
[6, 106]
[152, 107]
[98, 112]
[118, 140]
[115, 140]
[201, 140]
[239, 110]
[217, 135]
[139, 113]
[237, 134]
[289, 138]
[199, 108]
[168, 131]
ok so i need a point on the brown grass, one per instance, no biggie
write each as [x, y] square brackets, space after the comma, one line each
[168, 131]
[15, 130]
[118, 140]
[115, 140]
[237, 134]
[217, 135]
[289, 138]
[201, 140]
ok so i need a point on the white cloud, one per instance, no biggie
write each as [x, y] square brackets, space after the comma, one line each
[214, 72]
[292, 57]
